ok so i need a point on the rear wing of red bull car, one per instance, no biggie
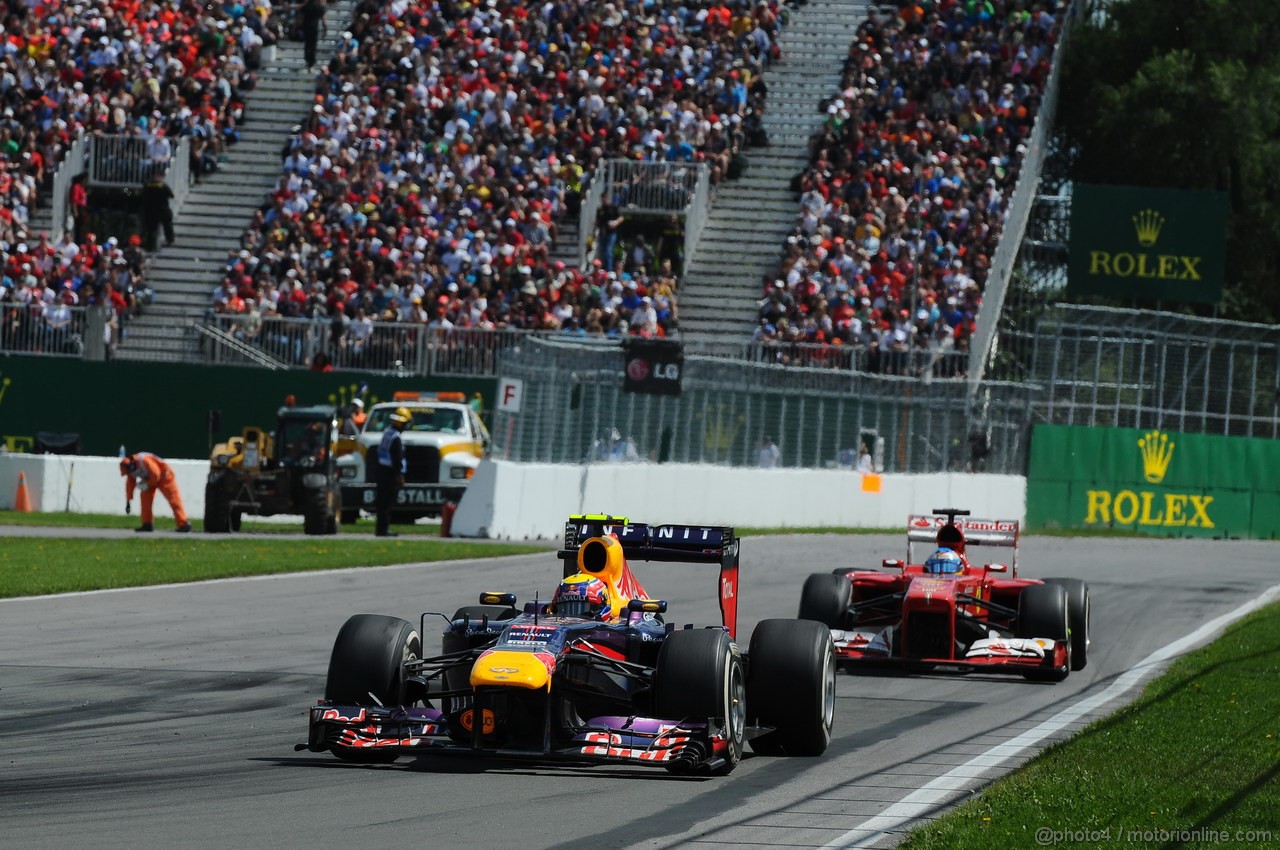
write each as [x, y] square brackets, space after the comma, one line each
[955, 529]
[696, 544]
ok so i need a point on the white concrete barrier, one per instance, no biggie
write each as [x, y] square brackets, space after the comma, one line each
[522, 500]
[529, 500]
[92, 485]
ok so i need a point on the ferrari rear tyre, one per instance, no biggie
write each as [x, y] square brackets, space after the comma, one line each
[1043, 613]
[792, 686]
[825, 598]
[1079, 613]
[699, 676]
[367, 668]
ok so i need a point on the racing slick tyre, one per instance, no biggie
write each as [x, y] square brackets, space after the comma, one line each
[1043, 613]
[699, 676]
[367, 668]
[217, 510]
[1079, 610]
[825, 598]
[792, 686]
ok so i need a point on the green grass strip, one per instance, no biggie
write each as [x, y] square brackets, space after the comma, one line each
[32, 566]
[1193, 763]
[292, 526]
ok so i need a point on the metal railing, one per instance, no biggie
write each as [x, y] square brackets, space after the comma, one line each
[652, 188]
[223, 347]
[390, 347]
[52, 330]
[125, 162]
[587, 221]
[72, 166]
[695, 220]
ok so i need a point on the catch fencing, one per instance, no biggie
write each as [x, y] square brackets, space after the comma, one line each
[573, 409]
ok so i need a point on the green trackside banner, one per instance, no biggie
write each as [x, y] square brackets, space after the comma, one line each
[1157, 482]
[1155, 244]
[165, 407]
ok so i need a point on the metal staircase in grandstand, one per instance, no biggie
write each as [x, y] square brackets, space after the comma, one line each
[751, 216]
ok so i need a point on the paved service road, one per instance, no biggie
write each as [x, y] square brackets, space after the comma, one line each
[166, 717]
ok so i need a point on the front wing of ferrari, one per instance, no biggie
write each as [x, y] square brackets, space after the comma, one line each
[994, 654]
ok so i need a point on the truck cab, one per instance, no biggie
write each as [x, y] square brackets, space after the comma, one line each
[443, 445]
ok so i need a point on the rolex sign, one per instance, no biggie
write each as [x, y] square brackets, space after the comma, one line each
[1153, 244]
[1153, 481]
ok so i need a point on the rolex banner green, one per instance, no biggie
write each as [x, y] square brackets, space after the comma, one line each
[1155, 244]
[1156, 482]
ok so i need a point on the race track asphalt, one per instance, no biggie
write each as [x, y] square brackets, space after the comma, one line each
[166, 717]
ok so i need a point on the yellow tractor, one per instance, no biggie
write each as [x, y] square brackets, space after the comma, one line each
[289, 472]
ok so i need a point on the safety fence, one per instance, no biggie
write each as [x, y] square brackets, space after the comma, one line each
[573, 409]
[1104, 366]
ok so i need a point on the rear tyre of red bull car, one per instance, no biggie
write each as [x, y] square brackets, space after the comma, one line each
[1043, 612]
[367, 668]
[792, 686]
[699, 676]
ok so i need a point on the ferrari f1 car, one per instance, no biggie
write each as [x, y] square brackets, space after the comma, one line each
[595, 675]
[948, 613]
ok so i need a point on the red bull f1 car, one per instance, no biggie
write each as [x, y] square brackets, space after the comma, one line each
[594, 675]
[944, 612]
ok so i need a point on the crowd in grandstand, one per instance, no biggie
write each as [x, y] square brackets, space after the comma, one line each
[903, 201]
[144, 68]
[444, 147]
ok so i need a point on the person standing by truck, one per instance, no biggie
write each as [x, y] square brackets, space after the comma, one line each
[148, 474]
[390, 469]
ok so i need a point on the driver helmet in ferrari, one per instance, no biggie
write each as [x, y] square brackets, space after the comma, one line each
[943, 562]
[583, 596]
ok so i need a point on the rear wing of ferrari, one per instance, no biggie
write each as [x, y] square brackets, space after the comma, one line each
[937, 528]
[695, 544]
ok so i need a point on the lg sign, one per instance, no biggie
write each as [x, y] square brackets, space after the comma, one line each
[654, 367]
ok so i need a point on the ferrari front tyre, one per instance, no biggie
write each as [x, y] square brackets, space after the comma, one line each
[1043, 613]
[792, 686]
[1079, 613]
[825, 598]
[367, 668]
[699, 677]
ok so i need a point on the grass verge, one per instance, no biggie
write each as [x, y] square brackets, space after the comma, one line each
[1194, 763]
[32, 566]
[57, 520]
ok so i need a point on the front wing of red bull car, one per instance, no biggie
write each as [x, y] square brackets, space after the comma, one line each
[981, 618]
[524, 682]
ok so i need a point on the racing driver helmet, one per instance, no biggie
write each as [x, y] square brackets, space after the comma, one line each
[583, 596]
[944, 562]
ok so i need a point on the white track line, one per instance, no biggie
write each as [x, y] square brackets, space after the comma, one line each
[919, 802]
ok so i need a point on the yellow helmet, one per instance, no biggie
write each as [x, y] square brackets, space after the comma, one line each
[401, 416]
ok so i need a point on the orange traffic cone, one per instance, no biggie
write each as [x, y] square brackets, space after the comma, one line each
[22, 501]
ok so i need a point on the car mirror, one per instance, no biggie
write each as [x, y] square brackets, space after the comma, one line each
[498, 599]
[647, 606]
[996, 568]
[891, 564]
